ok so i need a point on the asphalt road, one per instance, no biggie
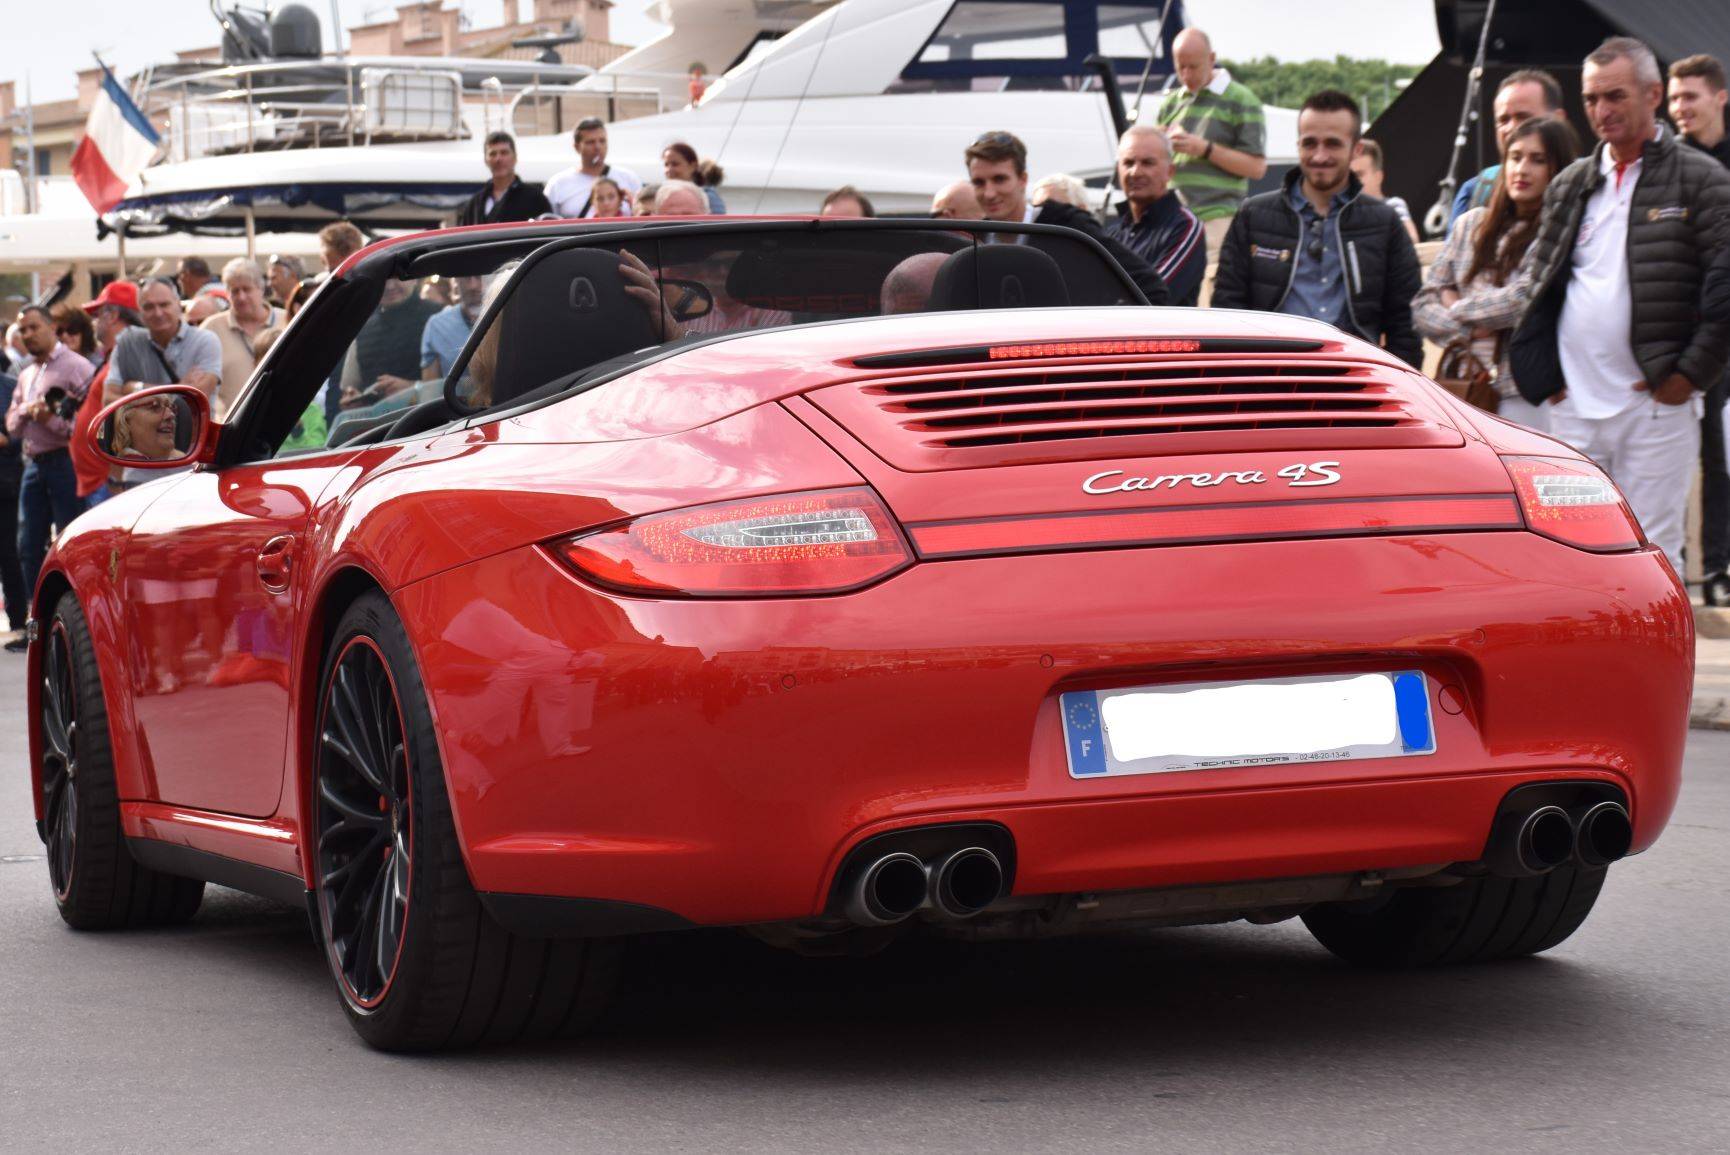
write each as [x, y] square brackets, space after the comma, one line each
[226, 1036]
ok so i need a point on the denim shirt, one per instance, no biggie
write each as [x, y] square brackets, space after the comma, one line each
[1318, 288]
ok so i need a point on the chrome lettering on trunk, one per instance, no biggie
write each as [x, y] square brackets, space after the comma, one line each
[1296, 474]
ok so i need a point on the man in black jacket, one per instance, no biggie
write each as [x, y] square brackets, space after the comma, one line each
[506, 197]
[1697, 102]
[1614, 335]
[1318, 248]
[997, 168]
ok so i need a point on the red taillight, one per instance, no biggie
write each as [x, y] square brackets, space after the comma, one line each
[1095, 529]
[1092, 348]
[1575, 503]
[797, 543]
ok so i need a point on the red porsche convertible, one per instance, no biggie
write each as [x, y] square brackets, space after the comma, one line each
[834, 580]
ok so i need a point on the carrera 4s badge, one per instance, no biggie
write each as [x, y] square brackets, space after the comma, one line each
[1296, 474]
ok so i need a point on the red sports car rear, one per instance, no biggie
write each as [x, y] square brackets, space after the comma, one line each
[701, 593]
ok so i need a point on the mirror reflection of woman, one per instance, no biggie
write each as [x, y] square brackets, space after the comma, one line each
[145, 429]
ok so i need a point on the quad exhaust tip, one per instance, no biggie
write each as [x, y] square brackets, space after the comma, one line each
[1546, 840]
[891, 888]
[887, 890]
[1539, 841]
[1603, 834]
[966, 882]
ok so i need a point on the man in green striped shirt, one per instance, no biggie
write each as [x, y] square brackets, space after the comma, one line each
[1218, 135]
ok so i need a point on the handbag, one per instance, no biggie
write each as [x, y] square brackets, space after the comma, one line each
[1463, 373]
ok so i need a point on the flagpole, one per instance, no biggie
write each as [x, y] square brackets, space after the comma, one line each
[29, 147]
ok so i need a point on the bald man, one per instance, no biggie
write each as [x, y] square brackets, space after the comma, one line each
[1217, 132]
[907, 288]
[956, 202]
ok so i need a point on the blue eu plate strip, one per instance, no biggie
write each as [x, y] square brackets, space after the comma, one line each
[1081, 728]
[1412, 703]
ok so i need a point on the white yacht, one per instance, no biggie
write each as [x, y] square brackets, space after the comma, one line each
[811, 94]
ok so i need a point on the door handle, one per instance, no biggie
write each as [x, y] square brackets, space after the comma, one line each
[276, 563]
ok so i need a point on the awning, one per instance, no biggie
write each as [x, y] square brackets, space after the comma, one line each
[1673, 28]
[288, 207]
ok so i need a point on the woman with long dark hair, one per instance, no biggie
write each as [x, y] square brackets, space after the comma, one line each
[679, 162]
[1474, 293]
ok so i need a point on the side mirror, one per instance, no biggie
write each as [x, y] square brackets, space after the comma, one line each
[168, 427]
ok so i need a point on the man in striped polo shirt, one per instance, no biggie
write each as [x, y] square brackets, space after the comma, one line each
[1217, 132]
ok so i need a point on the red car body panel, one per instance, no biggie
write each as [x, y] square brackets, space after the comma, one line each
[718, 758]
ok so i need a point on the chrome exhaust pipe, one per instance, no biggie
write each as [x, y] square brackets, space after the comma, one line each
[1535, 843]
[887, 890]
[966, 881]
[1603, 834]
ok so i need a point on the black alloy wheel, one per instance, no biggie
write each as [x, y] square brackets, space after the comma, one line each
[365, 823]
[418, 962]
[59, 759]
[97, 884]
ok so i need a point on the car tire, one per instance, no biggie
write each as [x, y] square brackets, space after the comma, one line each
[454, 977]
[97, 885]
[1477, 920]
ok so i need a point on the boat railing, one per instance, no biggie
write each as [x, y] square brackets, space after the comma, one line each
[319, 104]
[542, 108]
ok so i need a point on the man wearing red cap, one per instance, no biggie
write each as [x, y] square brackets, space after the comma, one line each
[115, 309]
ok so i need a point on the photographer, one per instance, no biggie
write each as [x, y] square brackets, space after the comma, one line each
[40, 421]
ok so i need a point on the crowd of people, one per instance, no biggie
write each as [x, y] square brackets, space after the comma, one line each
[1582, 293]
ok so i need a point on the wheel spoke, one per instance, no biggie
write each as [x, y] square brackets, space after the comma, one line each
[346, 871]
[352, 812]
[351, 739]
[362, 801]
[384, 950]
[357, 728]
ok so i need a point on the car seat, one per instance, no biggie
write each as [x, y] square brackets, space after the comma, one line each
[1000, 276]
[568, 312]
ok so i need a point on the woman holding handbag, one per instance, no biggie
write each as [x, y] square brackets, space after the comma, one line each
[1474, 293]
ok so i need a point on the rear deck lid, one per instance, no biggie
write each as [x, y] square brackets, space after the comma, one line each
[1020, 404]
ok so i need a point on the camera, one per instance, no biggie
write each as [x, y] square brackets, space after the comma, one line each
[61, 403]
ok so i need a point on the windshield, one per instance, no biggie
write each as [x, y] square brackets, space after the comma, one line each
[576, 309]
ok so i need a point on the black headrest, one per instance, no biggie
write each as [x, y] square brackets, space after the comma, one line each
[568, 312]
[999, 276]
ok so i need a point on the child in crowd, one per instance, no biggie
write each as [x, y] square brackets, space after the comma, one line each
[608, 199]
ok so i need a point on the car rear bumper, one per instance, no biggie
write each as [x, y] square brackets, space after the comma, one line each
[717, 760]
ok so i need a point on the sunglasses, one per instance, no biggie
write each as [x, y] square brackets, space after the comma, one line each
[1314, 249]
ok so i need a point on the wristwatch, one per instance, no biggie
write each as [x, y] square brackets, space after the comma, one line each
[1207, 153]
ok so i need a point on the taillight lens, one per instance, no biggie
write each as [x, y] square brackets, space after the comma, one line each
[1574, 502]
[800, 543]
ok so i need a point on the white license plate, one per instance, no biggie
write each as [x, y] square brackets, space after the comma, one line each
[1211, 725]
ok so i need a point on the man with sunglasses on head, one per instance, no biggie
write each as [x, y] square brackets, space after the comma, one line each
[1318, 248]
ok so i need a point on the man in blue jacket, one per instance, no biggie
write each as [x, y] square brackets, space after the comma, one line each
[1153, 221]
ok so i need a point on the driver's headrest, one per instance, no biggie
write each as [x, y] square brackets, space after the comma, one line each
[999, 276]
[568, 312]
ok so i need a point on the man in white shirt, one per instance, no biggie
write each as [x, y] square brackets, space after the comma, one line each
[571, 192]
[1622, 248]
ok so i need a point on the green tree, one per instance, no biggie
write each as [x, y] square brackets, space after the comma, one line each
[1286, 84]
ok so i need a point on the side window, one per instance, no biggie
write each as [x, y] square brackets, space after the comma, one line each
[397, 360]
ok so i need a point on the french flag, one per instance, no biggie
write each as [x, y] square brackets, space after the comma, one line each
[118, 143]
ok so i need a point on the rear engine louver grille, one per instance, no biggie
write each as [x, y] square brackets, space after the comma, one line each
[949, 416]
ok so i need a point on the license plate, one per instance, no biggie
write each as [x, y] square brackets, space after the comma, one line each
[1212, 725]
